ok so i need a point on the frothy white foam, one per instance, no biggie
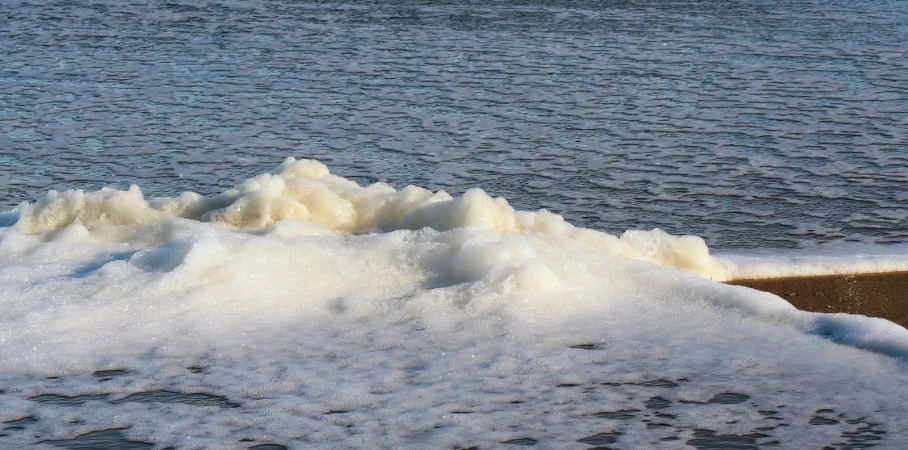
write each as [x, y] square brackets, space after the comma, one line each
[831, 260]
[304, 190]
[292, 267]
[301, 243]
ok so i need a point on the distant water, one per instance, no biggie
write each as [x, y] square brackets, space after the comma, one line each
[750, 123]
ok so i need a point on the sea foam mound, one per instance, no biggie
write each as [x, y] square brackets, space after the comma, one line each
[301, 243]
[305, 191]
[302, 284]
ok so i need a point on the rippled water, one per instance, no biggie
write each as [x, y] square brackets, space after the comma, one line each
[663, 416]
[753, 124]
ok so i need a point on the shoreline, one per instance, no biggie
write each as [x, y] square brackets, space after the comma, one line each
[880, 294]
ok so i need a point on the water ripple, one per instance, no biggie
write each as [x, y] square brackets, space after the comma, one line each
[753, 124]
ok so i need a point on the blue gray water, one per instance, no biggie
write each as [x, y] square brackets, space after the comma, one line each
[750, 123]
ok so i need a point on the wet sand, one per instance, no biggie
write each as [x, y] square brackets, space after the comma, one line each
[871, 294]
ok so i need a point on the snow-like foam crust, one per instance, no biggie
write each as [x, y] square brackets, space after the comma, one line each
[834, 260]
[301, 242]
[289, 264]
[304, 190]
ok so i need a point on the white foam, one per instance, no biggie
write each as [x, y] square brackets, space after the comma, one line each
[304, 190]
[828, 260]
[306, 292]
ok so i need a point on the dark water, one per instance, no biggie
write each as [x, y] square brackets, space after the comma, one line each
[751, 123]
[663, 419]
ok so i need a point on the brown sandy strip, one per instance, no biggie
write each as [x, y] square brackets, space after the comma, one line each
[870, 294]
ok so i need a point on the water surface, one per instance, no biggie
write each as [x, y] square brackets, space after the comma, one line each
[753, 124]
